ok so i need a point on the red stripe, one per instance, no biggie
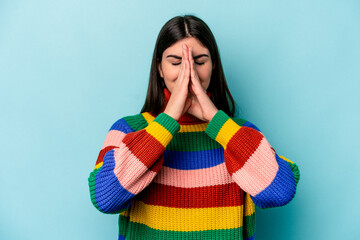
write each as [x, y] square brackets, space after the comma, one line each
[157, 165]
[102, 153]
[240, 147]
[144, 146]
[201, 197]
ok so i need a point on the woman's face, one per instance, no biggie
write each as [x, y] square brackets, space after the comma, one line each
[169, 66]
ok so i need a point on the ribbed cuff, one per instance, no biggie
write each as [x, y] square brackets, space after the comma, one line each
[168, 122]
[216, 124]
[163, 128]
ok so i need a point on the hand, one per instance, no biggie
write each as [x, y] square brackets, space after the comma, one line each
[180, 101]
[201, 105]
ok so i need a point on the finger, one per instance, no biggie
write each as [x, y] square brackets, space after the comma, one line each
[192, 64]
[194, 77]
[191, 68]
[183, 55]
[185, 52]
[187, 72]
[182, 68]
[187, 64]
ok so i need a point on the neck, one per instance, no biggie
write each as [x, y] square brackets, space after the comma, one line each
[186, 118]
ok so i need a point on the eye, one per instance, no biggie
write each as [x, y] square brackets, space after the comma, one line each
[180, 63]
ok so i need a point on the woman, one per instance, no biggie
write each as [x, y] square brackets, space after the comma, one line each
[185, 167]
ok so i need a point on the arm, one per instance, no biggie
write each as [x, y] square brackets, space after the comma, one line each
[253, 164]
[128, 162]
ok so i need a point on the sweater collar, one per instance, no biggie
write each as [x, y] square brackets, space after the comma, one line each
[186, 118]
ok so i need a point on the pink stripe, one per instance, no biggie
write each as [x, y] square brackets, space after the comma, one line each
[259, 170]
[132, 174]
[216, 175]
[113, 138]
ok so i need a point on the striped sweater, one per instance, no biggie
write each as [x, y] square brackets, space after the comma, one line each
[188, 179]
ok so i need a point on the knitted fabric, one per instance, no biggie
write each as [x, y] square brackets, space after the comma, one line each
[188, 179]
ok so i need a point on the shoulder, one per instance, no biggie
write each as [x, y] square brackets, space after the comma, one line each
[131, 123]
[245, 123]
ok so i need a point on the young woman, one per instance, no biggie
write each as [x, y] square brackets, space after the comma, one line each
[185, 167]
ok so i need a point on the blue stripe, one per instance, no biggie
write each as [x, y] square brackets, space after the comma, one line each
[110, 195]
[281, 190]
[251, 238]
[121, 125]
[193, 160]
[121, 237]
[249, 124]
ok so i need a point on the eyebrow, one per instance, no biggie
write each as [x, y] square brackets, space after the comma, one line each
[195, 57]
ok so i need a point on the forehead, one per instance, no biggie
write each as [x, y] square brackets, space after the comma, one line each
[196, 45]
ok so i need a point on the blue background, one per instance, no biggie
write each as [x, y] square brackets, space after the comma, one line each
[69, 69]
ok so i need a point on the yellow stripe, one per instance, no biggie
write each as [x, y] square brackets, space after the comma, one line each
[148, 117]
[185, 219]
[98, 165]
[126, 212]
[159, 132]
[285, 159]
[193, 128]
[226, 132]
[249, 206]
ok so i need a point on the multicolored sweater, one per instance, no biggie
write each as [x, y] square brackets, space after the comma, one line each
[188, 179]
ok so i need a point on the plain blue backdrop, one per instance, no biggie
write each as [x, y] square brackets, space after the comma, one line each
[70, 69]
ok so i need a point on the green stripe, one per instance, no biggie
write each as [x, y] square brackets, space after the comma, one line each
[196, 141]
[136, 122]
[192, 141]
[91, 181]
[182, 141]
[218, 121]
[249, 225]
[133, 230]
[296, 171]
[216, 124]
[168, 122]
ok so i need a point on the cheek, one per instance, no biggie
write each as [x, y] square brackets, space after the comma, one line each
[204, 72]
[170, 76]
[171, 72]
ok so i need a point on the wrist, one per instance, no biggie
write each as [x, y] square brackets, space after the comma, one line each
[170, 115]
[212, 114]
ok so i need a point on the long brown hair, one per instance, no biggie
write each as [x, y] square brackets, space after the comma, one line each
[175, 29]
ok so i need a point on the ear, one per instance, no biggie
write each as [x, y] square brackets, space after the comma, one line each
[214, 66]
[159, 69]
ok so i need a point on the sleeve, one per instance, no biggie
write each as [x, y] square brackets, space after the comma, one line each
[128, 162]
[269, 178]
